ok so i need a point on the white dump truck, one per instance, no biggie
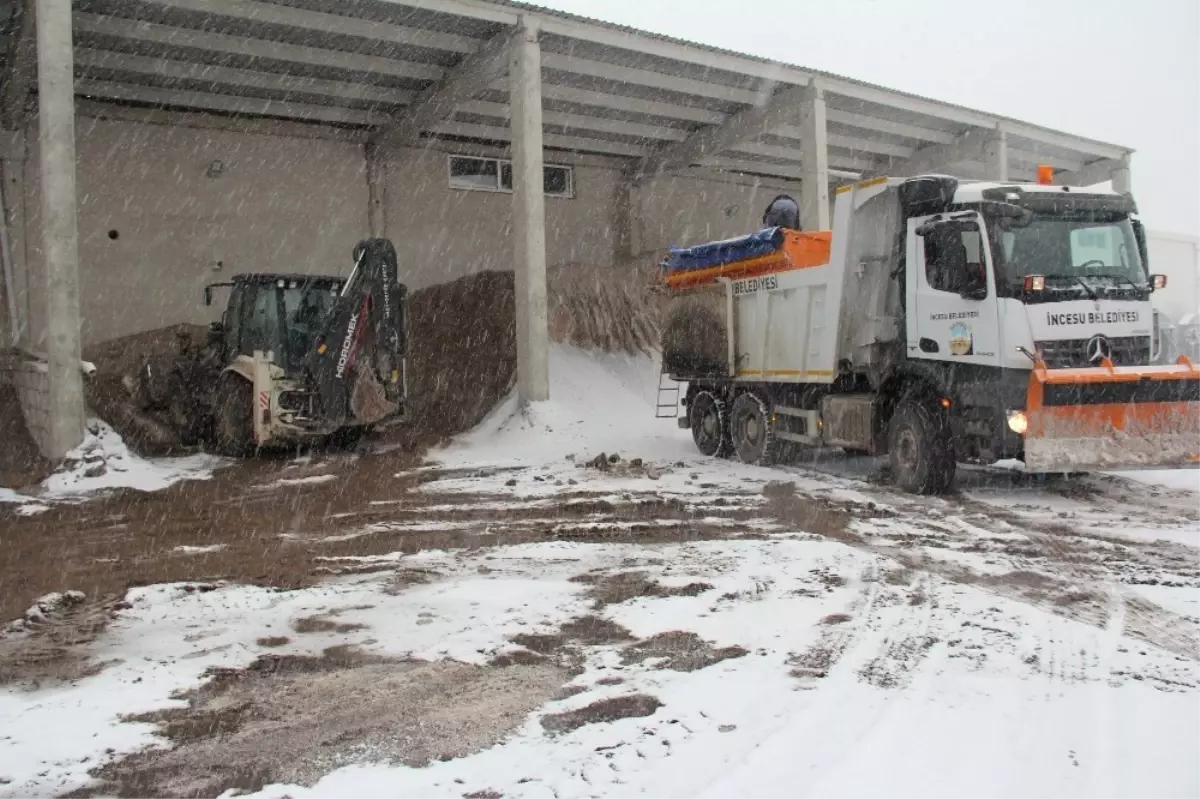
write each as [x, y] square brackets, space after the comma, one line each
[940, 322]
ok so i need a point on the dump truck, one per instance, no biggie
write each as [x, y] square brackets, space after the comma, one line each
[295, 358]
[941, 321]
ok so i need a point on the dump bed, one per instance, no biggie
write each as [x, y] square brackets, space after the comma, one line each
[764, 307]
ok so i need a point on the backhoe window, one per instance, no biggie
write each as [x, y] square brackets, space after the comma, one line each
[305, 309]
[260, 329]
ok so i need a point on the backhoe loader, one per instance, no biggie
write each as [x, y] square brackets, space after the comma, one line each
[294, 358]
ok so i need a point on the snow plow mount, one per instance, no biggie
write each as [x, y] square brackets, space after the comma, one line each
[1113, 417]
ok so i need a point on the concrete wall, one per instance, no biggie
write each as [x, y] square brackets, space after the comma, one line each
[444, 233]
[157, 221]
[688, 209]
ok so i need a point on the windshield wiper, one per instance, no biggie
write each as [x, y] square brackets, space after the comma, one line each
[1087, 289]
[1137, 289]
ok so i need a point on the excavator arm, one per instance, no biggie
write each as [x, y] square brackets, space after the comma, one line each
[357, 361]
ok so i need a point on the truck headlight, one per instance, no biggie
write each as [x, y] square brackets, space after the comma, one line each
[1018, 422]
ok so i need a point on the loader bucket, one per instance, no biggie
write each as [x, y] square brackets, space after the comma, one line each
[1113, 417]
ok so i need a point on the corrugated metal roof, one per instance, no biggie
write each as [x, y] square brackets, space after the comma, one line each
[607, 88]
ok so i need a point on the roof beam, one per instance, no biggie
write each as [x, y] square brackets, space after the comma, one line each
[748, 123]
[552, 140]
[886, 126]
[319, 21]
[465, 82]
[969, 146]
[849, 142]
[226, 44]
[636, 105]
[579, 121]
[244, 78]
[471, 9]
[794, 154]
[1090, 174]
[645, 77]
[223, 102]
[726, 164]
[1034, 159]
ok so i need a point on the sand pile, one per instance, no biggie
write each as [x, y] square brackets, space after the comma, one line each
[108, 398]
[462, 354]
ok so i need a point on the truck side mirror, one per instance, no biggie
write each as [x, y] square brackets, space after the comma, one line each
[207, 295]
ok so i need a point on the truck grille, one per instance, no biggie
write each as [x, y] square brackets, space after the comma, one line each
[1072, 353]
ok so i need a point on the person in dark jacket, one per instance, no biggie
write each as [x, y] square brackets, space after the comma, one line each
[782, 212]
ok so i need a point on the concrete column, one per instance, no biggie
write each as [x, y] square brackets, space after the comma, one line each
[60, 245]
[1122, 181]
[376, 190]
[995, 155]
[529, 213]
[814, 187]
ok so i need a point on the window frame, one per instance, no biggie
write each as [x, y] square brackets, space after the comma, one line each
[501, 163]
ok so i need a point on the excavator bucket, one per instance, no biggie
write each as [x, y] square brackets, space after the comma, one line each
[1113, 417]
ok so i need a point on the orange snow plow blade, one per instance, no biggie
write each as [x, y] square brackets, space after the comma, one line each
[1113, 417]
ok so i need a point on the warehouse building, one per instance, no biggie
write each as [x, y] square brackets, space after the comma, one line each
[153, 146]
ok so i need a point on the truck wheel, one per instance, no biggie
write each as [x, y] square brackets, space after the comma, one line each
[710, 424]
[233, 422]
[920, 450]
[753, 431]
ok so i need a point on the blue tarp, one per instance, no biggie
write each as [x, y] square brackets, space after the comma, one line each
[718, 253]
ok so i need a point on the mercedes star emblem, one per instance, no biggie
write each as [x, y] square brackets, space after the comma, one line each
[1098, 349]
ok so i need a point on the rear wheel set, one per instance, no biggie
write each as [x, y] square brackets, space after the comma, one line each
[745, 429]
[752, 430]
[709, 420]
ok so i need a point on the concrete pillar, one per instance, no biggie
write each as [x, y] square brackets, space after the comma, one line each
[529, 213]
[376, 190]
[1122, 181]
[995, 156]
[60, 244]
[814, 187]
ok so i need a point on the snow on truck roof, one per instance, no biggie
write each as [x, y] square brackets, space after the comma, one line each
[374, 66]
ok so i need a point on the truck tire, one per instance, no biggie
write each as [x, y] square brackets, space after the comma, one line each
[233, 420]
[710, 424]
[920, 449]
[753, 431]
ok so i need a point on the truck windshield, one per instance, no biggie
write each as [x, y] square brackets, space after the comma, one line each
[1077, 253]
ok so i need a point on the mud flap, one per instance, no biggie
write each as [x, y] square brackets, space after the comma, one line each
[1109, 417]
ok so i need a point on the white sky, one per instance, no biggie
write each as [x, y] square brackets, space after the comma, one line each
[1114, 70]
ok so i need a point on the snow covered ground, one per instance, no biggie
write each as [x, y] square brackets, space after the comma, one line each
[1011, 640]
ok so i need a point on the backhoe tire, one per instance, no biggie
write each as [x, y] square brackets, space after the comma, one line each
[710, 424]
[920, 448]
[233, 420]
[752, 430]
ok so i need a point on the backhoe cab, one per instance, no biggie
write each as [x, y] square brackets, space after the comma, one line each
[293, 358]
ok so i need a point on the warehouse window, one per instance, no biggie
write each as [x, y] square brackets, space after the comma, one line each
[495, 174]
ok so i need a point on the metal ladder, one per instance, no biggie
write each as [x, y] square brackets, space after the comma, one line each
[667, 404]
